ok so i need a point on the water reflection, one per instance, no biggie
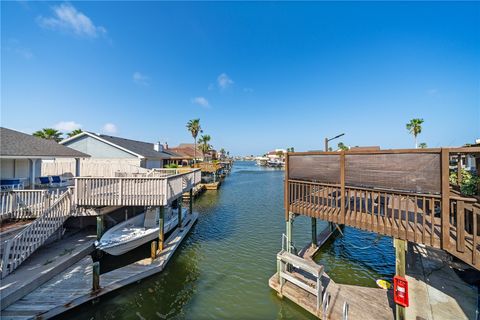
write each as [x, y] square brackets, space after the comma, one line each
[222, 268]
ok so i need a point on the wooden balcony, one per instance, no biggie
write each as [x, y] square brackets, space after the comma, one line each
[404, 194]
[152, 189]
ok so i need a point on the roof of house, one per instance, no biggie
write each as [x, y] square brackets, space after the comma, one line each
[185, 152]
[138, 148]
[18, 144]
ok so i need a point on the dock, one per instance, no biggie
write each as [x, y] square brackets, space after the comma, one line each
[363, 302]
[74, 286]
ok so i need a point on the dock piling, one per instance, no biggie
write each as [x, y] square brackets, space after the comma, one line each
[96, 276]
[400, 248]
[153, 250]
[180, 215]
[190, 201]
[314, 232]
[100, 226]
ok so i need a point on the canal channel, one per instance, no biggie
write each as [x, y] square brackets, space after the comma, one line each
[221, 270]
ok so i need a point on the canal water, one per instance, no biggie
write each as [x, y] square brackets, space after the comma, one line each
[221, 270]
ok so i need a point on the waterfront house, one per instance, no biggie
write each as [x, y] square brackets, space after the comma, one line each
[21, 156]
[110, 155]
[188, 150]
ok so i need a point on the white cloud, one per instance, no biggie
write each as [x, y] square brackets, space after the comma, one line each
[139, 78]
[201, 101]
[67, 126]
[109, 128]
[224, 81]
[67, 18]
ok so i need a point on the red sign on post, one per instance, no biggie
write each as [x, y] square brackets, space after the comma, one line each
[400, 291]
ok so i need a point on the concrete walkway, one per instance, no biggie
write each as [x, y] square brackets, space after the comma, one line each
[436, 291]
[44, 264]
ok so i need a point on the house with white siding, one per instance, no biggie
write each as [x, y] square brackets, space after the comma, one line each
[110, 155]
[21, 156]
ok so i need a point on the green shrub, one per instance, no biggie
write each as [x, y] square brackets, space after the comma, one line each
[469, 184]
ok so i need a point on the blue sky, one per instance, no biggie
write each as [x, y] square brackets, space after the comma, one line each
[258, 75]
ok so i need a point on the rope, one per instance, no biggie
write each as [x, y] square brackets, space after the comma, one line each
[377, 238]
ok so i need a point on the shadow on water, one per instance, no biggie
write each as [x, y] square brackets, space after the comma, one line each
[221, 270]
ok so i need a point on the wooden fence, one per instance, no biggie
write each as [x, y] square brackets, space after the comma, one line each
[443, 219]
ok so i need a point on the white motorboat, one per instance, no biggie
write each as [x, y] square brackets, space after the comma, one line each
[137, 231]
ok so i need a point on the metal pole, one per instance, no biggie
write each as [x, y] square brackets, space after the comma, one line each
[326, 144]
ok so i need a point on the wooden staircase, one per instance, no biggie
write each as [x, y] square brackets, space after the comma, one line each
[22, 245]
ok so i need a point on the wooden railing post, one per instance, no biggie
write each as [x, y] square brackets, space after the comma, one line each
[342, 187]
[445, 215]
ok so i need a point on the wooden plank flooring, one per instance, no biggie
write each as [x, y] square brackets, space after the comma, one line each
[73, 287]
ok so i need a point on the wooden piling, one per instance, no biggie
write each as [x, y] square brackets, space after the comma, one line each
[161, 228]
[190, 202]
[100, 227]
[400, 248]
[180, 214]
[153, 250]
[314, 232]
[96, 276]
[289, 232]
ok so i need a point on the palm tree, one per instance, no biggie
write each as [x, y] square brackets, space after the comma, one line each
[74, 133]
[342, 146]
[194, 127]
[415, 128]
[205, 146]
[222, 153]
[422, 145]
[49, 134]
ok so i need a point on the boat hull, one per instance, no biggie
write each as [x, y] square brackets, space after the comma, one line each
[140, 237]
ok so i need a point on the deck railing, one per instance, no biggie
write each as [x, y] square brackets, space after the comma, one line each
[133, 191]
[400, 193]
[23, 204]
[23, 244]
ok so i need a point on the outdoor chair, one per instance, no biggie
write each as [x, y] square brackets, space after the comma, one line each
[57, 181]
[44, 182]
[10, 184]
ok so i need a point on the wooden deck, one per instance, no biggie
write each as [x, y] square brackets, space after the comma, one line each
[74, 287]
[386, 199]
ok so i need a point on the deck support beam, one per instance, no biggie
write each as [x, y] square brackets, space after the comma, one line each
[289, 232]
[314, 232]
[161, 228]
[400, 248]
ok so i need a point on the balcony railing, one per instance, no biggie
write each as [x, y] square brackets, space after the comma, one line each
[405, 194]
[157, 190]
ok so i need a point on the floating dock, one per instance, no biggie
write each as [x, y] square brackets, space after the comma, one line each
[74, 286]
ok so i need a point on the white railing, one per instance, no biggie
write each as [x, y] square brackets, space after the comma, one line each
[20, 247]
[133, 191]
[23, 204]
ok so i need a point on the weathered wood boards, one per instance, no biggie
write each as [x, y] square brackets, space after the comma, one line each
[73, 287]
